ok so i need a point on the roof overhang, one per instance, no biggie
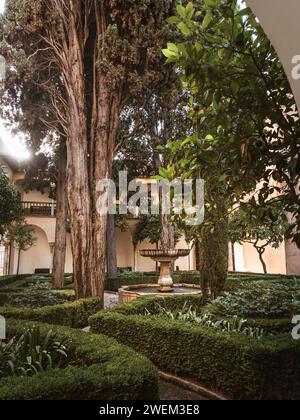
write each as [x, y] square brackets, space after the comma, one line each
[280, 21]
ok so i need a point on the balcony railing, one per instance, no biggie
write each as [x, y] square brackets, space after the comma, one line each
[36, 209]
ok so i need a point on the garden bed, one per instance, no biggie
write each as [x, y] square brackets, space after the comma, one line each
[9, 284]
[72, 314]
[99, 369]
[234, 280]
[235, 365]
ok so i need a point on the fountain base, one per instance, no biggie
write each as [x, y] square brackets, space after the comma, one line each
[166, 289]
[129, 293]
[165, 284]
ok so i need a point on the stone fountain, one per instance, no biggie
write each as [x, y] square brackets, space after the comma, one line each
[165, 258]
[165, 284]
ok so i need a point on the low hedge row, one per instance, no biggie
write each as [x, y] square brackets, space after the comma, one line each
[9, 280]
[73, 314]
[100, 369]
[13, 284]
[8, 296]
[233, 364]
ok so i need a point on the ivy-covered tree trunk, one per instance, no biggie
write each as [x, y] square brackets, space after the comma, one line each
[61, 220]
[214, 251]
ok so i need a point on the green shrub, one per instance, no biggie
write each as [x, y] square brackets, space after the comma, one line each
[9, 280]
[37, 295]
[260, 300]
[30, 354]
[73, 314]
[233, 364]
[19, 283]
[233, 325]
[235, 280]
[101, 369]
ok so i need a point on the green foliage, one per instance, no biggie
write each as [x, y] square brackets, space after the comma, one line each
[149, 227]
[37, 296]
[22, 234]
[30, 354]
[99, 369]
[260, 300]
[7, 281]
[73, 314]
[231, 326]
[240, 102]
[10, 203]
[238, 366]
[213, 245]
[261, 226]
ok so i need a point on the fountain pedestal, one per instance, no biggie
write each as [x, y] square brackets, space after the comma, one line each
[165, 258]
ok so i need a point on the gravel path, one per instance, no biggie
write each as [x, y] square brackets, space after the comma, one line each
[110, 299]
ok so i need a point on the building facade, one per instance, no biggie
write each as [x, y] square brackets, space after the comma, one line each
[40, 211]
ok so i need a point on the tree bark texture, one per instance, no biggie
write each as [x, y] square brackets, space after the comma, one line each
[112, 263]
[61, 221]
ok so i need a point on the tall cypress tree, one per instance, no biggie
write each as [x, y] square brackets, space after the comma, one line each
[97, 54]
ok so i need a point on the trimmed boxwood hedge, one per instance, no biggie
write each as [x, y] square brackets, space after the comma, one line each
[7, 296]
[73, 314]
[9, 280]
[233, 364]
[101, 369]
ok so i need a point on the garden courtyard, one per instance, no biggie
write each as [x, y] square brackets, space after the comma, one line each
[149, 203]
[239, 346]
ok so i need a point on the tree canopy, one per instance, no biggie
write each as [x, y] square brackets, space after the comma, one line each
[10, 203]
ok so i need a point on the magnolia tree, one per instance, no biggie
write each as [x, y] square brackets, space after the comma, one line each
[96, 54]
[244, 128]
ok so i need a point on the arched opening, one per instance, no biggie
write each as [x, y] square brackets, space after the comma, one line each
[280, 21]
[37, 257]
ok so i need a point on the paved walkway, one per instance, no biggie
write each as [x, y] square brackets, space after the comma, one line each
[110, 299]
[172, 392]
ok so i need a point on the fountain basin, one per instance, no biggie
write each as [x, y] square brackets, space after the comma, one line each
[165, 258]
[129, 293]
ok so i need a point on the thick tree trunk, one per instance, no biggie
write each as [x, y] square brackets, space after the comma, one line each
[112, 263]
[103, 146]
[78, 183]
[80, 214]
[61, 220]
